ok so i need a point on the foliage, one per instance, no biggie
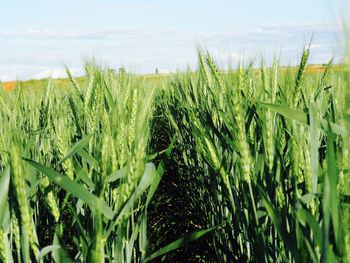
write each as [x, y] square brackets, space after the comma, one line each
[264, 153]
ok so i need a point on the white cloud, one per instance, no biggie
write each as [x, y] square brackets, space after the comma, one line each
[163, 48]
[82, 34]
[164, 70]
[275, 33]
[53, 73]
[57, 73]
[4, 78]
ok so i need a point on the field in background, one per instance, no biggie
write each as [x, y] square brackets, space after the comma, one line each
[205, 166]
[65, 83]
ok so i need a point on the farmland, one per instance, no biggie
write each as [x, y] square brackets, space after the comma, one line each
[250, 165]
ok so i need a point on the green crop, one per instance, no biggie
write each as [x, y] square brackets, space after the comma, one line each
[265, 149]
[264, 154]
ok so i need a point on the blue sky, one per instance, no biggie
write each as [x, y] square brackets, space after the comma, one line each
[38, 37]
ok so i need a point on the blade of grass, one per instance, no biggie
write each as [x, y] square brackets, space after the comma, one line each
[78, 146]
[4, 189]
[179, 243]
[95, 203]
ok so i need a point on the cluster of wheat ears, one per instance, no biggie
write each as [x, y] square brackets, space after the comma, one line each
[266, 153]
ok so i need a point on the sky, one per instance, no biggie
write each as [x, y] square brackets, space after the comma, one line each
[38, 38]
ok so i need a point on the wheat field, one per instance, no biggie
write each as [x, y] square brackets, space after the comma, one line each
[249, 165]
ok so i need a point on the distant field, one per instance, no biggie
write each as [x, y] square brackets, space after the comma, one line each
[9, 86]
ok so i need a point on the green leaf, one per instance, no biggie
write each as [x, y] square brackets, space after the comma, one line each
[155, 182]
[179, 243]
[330, 256]
[75, 111]
[302, 117]
[288, 240]
[78, 146]
[146, 178]
[305, 216]
[335, 128]
[46, 250]
[167, 151]
[145, 182]
[287, 112]
[307, 198]
[59, 255]
[311, 249]
[79, 224]
[95, 203]
[82, 174]
[314, 147]
[4, 188]
[88, 158]
[332, 180]
[121, 173]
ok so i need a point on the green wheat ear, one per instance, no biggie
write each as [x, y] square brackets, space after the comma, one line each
[19, 185]
[300, 76]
